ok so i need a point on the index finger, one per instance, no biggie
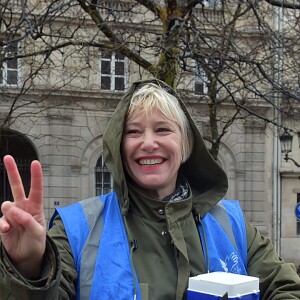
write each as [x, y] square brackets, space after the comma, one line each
[14, 178]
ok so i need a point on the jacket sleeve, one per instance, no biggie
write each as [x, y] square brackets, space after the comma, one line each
[68, 280]
[14, 286]
[58, 280]
[278, 279]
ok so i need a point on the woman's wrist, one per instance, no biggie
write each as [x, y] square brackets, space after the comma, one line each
[29, 268]
[48, 267]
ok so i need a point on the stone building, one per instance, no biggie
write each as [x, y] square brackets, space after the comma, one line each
[63, 128]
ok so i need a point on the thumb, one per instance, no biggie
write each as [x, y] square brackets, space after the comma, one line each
[21, 220]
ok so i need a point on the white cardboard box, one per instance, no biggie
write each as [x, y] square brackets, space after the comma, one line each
[220, 283]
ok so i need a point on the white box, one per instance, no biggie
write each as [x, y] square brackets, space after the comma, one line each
[220, 283]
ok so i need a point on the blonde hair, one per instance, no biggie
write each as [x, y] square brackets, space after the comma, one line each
[152, 96]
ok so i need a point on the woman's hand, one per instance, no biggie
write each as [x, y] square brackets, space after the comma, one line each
[23, 225]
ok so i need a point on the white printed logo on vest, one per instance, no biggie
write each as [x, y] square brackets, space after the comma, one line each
[230, 265]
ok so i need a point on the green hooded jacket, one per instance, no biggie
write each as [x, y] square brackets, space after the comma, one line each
[169, 247]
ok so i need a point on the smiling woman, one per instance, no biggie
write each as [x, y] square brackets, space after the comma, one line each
[165, 221]
[152, 152]
[155, 140]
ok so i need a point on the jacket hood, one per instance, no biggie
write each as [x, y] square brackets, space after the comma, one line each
[207, 179]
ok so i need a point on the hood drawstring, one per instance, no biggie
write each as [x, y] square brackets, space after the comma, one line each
[133, 246]
[204, 242]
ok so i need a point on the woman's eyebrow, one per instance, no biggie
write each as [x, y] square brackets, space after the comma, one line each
[132, 123]
[158, 123]
[166, 122]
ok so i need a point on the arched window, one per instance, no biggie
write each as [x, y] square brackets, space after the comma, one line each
[15, 144]
[104, 182]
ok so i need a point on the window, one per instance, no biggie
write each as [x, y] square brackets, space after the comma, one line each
[298, 221]
[9, 68]
[212, 3]
[113, 69]
[201, 81]
[103, 178]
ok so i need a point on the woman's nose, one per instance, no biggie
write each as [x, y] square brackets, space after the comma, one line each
[149, 142]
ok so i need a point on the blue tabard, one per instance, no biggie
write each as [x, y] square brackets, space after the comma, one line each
[220, 252]
[99, 244]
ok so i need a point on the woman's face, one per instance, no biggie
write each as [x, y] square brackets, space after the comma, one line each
[152, 152]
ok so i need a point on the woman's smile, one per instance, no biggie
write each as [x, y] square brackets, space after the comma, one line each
[150, 161]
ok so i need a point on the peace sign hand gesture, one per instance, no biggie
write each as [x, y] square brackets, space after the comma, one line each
[23, 225]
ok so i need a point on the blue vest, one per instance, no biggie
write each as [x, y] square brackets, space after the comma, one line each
[100, 247]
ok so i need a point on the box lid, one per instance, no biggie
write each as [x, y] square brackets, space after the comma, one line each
[219, 283]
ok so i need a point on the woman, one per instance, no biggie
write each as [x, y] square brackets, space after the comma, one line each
[163, 223]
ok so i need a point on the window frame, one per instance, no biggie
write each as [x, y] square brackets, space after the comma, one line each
[113, 59]
[100, 187]
[201, 78]
[212, 3]
[5, 68]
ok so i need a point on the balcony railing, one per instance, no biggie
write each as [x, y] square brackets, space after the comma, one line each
[208, 15]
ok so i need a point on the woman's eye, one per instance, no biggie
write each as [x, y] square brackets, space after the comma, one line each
[131, 131]
[163, 130]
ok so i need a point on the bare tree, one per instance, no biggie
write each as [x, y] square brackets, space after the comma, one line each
[233, 50]
[285, 4]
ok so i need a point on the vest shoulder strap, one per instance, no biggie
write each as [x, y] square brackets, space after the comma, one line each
[220, 214]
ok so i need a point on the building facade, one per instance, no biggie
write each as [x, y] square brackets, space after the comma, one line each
[63, 128]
